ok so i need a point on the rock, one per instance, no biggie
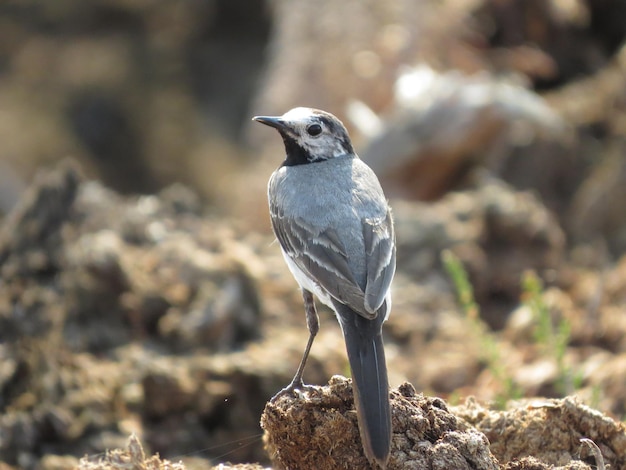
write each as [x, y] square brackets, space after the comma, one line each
[320, 431]
[31, 235]
[549, 431]
[133, 455]
[496, 231]
[85, 272]
[441, 126]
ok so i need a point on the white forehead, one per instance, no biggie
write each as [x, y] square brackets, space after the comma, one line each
[298, 114]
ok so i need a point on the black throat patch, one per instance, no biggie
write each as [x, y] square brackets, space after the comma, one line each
[296, 155]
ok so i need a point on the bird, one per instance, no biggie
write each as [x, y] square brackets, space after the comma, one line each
[336, 233]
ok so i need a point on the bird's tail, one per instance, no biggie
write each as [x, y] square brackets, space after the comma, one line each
[366, 355]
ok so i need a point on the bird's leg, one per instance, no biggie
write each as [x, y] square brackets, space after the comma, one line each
[313, 324]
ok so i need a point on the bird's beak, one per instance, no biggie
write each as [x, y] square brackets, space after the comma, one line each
[272, 121]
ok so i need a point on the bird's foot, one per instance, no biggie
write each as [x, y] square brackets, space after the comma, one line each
[296, 388]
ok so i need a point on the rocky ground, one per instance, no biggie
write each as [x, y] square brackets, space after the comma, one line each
[139, 315]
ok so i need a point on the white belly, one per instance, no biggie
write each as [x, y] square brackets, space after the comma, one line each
[306, 283]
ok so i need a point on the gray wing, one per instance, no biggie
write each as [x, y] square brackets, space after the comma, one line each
[380, 246]
[322, 256]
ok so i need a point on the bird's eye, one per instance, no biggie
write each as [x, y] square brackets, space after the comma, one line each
[314, 130]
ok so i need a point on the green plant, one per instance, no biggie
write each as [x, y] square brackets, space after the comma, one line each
[490, 352]
[552, 339]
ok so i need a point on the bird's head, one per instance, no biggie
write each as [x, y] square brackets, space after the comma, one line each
[310, 135]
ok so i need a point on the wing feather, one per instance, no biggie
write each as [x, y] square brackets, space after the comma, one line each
[379, 238]
[322, 256]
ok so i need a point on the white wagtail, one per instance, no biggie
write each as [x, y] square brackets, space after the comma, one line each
[335, 229]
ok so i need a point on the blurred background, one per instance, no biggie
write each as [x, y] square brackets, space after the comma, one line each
[144, 94]
[140, 286]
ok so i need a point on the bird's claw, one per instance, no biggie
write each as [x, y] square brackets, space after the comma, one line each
[296, 388]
